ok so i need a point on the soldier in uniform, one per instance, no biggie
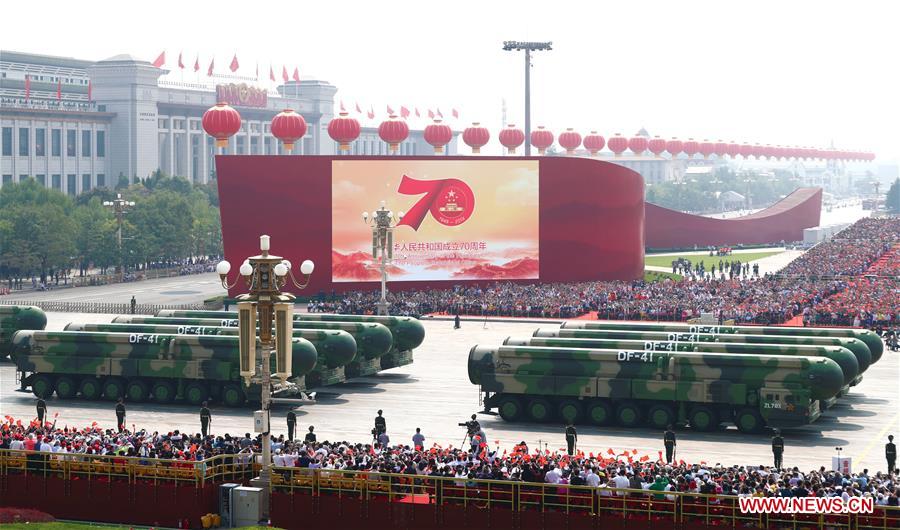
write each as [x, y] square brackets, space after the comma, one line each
[778, 448]
[205, 418]
[310, 436]
[456, 322]
[41, 411]
[571, 438]
[292, 422]
[669, 442]
[380, 424]
[890, 452]
[120, 414]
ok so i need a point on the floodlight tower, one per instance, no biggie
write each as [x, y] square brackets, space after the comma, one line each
[527, 47]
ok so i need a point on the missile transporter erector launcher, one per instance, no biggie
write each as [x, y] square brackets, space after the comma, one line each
[141, 367]
[373, 340]
[658, 388]
[18, 317]
[408, 333]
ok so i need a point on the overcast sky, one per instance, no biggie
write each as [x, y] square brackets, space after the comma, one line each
[779, 72]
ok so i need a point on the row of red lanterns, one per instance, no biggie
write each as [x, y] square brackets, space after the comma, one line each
[222, 121]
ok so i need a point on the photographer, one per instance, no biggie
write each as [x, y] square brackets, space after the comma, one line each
[472, 427]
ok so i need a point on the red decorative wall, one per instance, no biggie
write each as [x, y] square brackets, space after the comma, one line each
[783, 221]
[591, 216]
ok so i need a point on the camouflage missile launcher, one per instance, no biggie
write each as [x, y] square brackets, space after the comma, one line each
[335, 348]
[842, 356]
[17, 317]
[872, 340]
[141, 367]
[373, 341]
[659, 388]
[408, 333]
[856, 346]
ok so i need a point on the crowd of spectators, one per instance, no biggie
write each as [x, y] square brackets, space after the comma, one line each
[607, 473]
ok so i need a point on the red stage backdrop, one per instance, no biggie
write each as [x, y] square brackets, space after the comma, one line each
[469, 219]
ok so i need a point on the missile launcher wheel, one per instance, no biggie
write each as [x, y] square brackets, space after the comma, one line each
[113, 388]
[749, 420]
[163, 392]
[599, 412]
[196, 392]
[510, 408]
[539, 409]
[90, 388]
[703, 418]
[570, 410]
[629, 414]
[137, 391]
[233, 395]
[661, 416]
[42, 386]
[66, 387]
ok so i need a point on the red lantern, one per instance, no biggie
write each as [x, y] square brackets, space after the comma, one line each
[221, 122]
[746, 151]
[733, 149]
[691, 147]
[594, 143]
[721, 149]
[707, 148]
[438, 135]
[511, 138]
[770, 152]
[674, 147]
[343, 130]
[656, 145]
[637, 144]
[476, 137]
[541, 138]
[288, 126]
[617, 144]
[570, 140]
[393, 131]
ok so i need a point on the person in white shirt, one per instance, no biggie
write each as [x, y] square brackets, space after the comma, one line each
[45, 446]
[278, 459]
[552, 476]
[592, 479]
[620, 481]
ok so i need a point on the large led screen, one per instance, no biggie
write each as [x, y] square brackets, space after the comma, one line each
[464, 219]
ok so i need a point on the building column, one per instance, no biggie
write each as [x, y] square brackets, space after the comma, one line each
[186, 154]
[170, 140]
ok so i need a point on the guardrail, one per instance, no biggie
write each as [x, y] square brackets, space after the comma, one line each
[102, 307]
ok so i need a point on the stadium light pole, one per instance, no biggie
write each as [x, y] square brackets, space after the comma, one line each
[120, 207]
[383, 224]
[265, 305]
[527, 47]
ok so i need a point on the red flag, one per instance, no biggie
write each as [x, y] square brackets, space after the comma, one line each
[390, 110]
[58, 89]
[28, 93]
[296, 76]
[634, 451]
[271, 73]
[430, 114]
[212, 65]
[161, 60]
[404, 112]
[358, 110]
[284, 74]
[180, 62]
[610, 452]
[234, 64]
[417, 113]
[645, 458]
[455, 113]
[197, 63]
[371, 113]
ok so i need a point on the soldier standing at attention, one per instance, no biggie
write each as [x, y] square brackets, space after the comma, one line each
[41, 411]
[292, 422]
[205, 418]
[380, 424]
[669, 442]
[456, 322]
[778, 448]
[310, 436]
[120, 414]
[571, 438]
[890, 452]
[133, 304]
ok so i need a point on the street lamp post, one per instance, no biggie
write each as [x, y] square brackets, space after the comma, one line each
[527, 47]
[265, 275]
[383, 224]
[120, 206]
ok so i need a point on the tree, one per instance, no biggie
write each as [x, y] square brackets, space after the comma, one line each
[892, 199]
[95, 236]
[160, 227]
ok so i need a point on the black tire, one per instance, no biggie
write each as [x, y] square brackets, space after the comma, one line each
[704, 418]
[539, 410]
[660, 415]
[163, 392]
[113, 388]
[66, 387]
[629, 414]
[90, 388]
[749, 420]
[42, 386]
[510, 408]
[233, 395]
[599, 412]
[138, 390]
[196, 392]
[570, 410]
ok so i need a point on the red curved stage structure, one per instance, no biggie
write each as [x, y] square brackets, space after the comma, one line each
[783, 221]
